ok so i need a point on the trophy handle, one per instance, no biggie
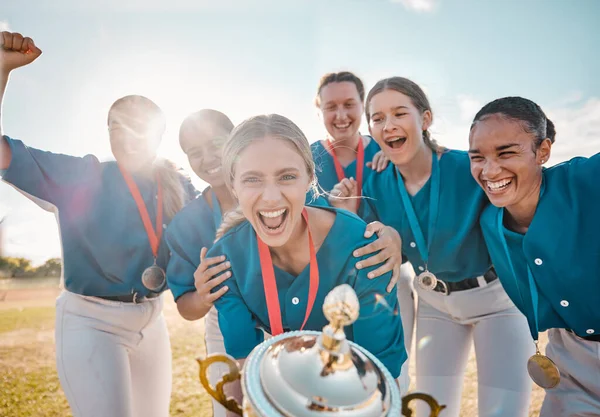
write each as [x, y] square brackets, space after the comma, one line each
[217, 392]
[435, 407]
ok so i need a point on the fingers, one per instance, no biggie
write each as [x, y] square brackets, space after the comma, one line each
[17, 42]
[371, 247]
[373, 227]
[382, 163]
[217, 281]
[345, 188]
[216, 270]
[376, 259]
[205, 265]
[395, 277]
[30, 47]
[7, 40]
[217, 294]
[382, 270]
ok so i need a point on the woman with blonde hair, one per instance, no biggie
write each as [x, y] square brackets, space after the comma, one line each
[282, 257]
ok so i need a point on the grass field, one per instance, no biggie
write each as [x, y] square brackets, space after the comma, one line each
[29, 384]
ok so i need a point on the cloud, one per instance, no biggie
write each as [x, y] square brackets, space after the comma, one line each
[468, 106]
[4, 26]
[577, 130]
[418, 5]
[577, 122]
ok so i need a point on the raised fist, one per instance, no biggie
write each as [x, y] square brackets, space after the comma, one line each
[16, 51]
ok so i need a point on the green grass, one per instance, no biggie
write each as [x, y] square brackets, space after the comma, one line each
[29, 384]
[34, 318]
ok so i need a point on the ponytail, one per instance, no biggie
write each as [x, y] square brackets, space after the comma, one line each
[173, 192]
[230, 220]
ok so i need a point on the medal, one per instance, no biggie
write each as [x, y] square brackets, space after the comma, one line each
[426, 279]
[270, 285]
[542, 370]
[360, 162]
[153, 277]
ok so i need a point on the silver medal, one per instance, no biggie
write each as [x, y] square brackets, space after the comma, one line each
[154, 278]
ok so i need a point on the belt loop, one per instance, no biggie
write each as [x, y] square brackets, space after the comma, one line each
[481, 281]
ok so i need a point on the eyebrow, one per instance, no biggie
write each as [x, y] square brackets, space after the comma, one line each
[504, 147]
[498, 148]
[393, 109]
[278, 172]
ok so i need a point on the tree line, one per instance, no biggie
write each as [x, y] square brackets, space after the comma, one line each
[22, 268]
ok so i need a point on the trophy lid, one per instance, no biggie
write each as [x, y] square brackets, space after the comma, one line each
[307, 373]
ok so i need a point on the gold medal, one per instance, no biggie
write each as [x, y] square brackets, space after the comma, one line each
[542, 370]
[427, 280]
[154, 278]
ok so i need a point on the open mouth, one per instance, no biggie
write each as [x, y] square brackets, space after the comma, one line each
[342, 126]
[273, 220]
[498, 186]
[214, 170]
[395, 143]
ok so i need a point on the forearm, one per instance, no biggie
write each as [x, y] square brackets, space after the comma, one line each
[190, 307]
[5, 153]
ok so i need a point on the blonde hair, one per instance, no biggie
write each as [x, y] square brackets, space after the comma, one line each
[251, 130]
[171, 179]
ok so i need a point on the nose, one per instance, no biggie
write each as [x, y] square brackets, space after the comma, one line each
[340, 114]
[271, 193]
[491, 169]
[389, 126]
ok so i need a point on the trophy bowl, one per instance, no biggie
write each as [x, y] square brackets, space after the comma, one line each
[309, 373]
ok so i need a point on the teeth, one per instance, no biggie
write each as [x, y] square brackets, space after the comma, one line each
[214, 170]
[393, 140]
[342, 126]
[272, 214]
[498, 185]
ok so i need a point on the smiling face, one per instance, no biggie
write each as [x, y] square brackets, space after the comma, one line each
[270, 181]
[397, 125]
[504, 160]
[203, 142]
[135, 127]
[341, 109]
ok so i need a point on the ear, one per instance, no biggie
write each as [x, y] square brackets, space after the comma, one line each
[544, 151]
[427, 119]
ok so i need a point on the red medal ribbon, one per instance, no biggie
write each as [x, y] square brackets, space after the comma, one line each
[360, 162]
[270, 285]
[153, 235]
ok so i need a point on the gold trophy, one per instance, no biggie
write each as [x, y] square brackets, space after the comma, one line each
[308, 373]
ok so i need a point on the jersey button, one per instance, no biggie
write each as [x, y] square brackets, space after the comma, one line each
[564, 303]
[413, 245]
[590, 331]
[421, 268]
[538, 261]
[295, 300]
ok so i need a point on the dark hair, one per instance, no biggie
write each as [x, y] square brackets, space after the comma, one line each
[411, 90]
[210, 116]
[339, 77]
[530, 116]
[153, 112]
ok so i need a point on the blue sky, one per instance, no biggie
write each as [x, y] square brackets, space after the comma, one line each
[247, 57]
